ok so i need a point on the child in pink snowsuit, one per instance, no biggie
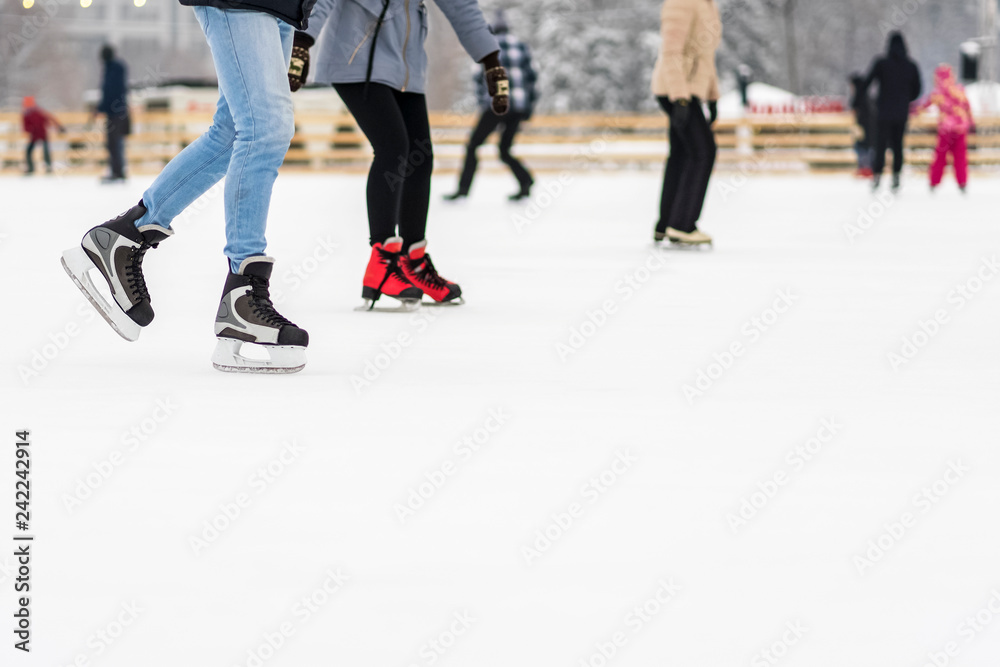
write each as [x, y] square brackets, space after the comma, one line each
[953, 126]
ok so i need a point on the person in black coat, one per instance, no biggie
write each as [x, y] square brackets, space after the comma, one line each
[899, 85]
[114, 106]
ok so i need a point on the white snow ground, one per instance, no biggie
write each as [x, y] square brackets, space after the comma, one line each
[662, 517]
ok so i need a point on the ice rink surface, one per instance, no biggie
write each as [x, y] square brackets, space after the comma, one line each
[782, 451]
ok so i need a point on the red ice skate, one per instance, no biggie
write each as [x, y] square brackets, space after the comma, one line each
[420, 271]
[384, 276]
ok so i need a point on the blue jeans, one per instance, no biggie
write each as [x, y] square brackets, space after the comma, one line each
[250, 133]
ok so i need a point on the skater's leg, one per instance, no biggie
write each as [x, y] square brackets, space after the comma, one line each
[673, 169]
[251, 52]
[704, 152]
[960, 155]
[29, 158]
[699, 148]
[488, 122]
[511, 126]
[940, 160]
[47, 154]
[881, 145]
[379, 117]
[115, 130]
[898, 158]
[420, 168]
[192, 172]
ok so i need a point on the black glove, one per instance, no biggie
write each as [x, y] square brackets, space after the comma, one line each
[713, 112]
[680, 113]
[298, 69]
[499, 89]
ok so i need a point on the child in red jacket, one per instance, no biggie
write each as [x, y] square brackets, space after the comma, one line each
[36, 123]
[955, 122]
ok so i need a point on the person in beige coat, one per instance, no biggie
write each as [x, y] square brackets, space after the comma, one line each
[684, 78]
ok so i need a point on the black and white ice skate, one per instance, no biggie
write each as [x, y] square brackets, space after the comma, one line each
[116, 250]
[253, 336]
[695, 240]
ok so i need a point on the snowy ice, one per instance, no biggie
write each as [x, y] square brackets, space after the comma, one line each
[782, 451]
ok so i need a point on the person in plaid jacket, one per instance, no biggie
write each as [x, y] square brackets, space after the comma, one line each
[515, 56]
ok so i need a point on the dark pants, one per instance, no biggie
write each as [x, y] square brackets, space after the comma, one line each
[399, 182]
[117, 129]
[889, 135]
[688, 170]
[45, 152]
[488, 123]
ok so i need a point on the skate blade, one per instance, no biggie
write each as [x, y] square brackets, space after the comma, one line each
[681, 246]
[404, 306]
[233, 356]
[78, 266]
[444, 304]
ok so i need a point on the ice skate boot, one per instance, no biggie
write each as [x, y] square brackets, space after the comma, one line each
[419, 270]
[253, 336]
[689, 240]
[116, 250]
[384, 276]
[895, 182]
[876, 182]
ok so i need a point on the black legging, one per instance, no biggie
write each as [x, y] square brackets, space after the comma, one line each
[399, 182]
[29, 157]
[889, 135]
[688, 170]
[489, 122]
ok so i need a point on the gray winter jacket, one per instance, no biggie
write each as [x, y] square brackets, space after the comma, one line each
[400, 62]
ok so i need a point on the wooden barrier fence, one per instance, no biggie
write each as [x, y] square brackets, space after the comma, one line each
[819, 142]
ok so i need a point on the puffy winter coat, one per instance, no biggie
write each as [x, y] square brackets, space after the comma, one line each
[898, 80]
[952, 103]
[295, 12]
[691, 31]
[36, 123]
[349, 26]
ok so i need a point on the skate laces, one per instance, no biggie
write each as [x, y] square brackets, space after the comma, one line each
[427, 274]
[260, 303]
[392, 267]
[133, 271]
